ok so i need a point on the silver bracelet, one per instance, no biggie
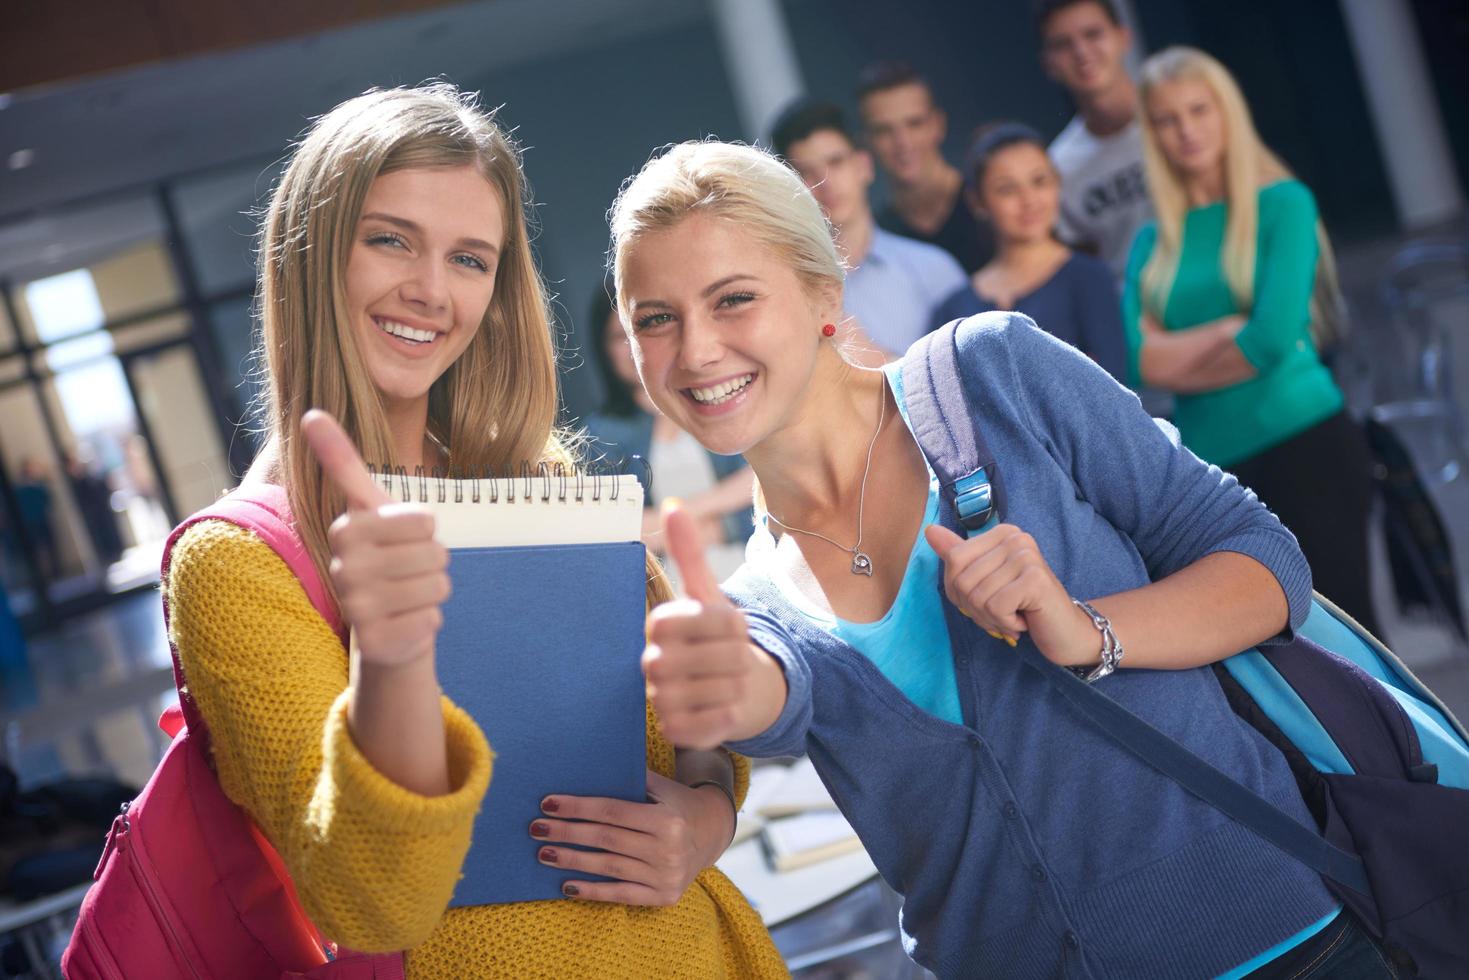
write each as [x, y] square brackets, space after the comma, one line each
[728, 795]
[1111, 646]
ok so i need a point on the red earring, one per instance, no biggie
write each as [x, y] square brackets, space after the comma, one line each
[829, 330]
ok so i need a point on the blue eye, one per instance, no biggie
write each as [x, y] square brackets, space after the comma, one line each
[472, 262]
[651, 320]
[386, 238]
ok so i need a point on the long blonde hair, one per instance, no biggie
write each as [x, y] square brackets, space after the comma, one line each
[1248, 165]
[496, 405]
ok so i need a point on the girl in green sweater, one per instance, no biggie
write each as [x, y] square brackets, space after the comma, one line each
[1228, 295]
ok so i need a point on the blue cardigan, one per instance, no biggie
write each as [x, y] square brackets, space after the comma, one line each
[1025, 843]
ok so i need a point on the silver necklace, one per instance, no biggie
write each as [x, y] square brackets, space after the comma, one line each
[861, 562]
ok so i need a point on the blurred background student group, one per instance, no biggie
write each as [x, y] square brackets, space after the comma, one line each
[1251, 214]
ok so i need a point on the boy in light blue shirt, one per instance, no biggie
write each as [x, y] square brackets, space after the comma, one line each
[894, 284]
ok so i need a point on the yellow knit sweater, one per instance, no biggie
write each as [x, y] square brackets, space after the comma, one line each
[375, 864]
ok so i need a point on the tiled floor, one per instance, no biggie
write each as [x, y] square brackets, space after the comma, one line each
[96, 690]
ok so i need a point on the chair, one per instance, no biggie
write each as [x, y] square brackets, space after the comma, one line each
[1426, 291]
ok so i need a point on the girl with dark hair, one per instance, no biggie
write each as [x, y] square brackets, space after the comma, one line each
[1010, 182]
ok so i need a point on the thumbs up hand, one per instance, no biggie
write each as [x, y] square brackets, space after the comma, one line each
[708, 683]
[1001, 581]
[388, 570]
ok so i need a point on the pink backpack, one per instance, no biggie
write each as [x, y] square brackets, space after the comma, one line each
[187, 885]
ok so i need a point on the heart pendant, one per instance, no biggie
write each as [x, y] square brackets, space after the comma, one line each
[861, 564]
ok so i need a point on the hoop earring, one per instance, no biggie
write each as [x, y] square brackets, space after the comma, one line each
[829, 330]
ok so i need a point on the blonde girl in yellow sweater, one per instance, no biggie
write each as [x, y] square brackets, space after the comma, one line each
[398, 293]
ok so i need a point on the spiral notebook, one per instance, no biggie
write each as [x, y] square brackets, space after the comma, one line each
[541, 644]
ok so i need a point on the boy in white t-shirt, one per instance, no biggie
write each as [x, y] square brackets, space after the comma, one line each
[1099, 155]
[1104, 199]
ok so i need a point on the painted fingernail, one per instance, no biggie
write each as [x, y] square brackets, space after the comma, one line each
[539, 829]
[998, 636]
[548, 855]
[550, 805]
[570, 890]
[1011, 640]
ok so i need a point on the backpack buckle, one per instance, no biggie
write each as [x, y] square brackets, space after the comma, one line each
[974, 501]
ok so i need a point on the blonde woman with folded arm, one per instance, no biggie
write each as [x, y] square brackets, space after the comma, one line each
[1228, 294]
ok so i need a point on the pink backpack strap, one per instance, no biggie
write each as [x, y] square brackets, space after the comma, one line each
[264, 509]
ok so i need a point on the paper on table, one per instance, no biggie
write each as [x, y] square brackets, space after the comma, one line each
[801, 791]
[764, 780]
[795, 842]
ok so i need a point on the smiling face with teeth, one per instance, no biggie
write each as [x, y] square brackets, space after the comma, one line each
[726, 337]
[421, 275]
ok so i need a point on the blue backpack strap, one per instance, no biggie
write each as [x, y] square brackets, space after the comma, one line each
[1201, 778]
[934, 385]
[933, 388]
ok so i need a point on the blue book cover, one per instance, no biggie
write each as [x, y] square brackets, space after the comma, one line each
[542, 646]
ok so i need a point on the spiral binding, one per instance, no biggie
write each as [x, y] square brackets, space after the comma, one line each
[577, 483]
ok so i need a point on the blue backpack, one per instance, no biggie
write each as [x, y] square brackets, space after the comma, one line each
[1382, 764]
